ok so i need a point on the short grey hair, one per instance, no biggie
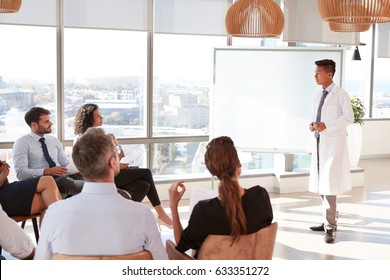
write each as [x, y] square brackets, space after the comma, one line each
[92, 152]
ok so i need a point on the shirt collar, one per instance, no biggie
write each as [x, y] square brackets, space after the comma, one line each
[330, 87]
[34, 136]
[99, 187]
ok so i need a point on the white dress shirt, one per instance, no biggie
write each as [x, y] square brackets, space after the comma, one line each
[99, 221]
[12, 237]
[28, 156]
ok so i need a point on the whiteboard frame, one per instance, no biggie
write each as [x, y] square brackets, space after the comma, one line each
[322, 52]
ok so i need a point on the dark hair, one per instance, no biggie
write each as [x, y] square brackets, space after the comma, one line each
[84, 118]
[221, 160]
[92, 152]
[328, 64]
[34, 115]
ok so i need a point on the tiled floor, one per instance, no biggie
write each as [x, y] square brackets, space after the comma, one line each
[363, 231]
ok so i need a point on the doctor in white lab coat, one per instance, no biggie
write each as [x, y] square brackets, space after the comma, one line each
[330, 174]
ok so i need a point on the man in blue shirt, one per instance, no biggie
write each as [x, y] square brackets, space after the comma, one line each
[38, 153]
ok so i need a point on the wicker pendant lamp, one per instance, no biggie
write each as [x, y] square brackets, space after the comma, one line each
[349, 27]
[254, 18]
[10, 6]
[355, 11]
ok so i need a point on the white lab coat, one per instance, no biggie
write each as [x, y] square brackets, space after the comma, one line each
[334, 176]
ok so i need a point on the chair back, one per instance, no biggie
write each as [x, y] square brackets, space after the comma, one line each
[174, 254]
[256, 246]
[142, 255]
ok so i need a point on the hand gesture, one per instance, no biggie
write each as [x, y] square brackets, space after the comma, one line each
[176, 192]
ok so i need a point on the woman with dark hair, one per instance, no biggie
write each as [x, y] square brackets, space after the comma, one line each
[236, 210]
[136, 181]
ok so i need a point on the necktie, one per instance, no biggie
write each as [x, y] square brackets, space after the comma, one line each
[46, 153]
[318, 118]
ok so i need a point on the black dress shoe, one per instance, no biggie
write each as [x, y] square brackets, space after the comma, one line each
[329, 238]
[318, 228]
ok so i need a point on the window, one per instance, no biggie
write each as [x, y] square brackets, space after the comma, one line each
[183, 67]
[27, 76]
[107, 68]
[357, 72]
[381, 89]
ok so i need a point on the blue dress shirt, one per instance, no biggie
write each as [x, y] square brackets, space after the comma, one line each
[99, 221]
[28, 157]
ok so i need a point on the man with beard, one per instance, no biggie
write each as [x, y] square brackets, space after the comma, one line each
[38, 153]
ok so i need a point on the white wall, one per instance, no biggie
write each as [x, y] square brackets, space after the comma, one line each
[376, 139]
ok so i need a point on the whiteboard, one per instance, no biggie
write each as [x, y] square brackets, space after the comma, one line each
[263, 98]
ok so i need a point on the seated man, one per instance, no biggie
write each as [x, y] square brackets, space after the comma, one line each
[36, 154]
[14, 240]
[98, 221]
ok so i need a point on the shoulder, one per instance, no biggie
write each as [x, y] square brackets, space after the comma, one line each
[136, 208]
[23, 138]
[23, 142]
[255, 189]
[256, 192]
[339, 90]
[52, 140]
[208, 202]
[206, 205]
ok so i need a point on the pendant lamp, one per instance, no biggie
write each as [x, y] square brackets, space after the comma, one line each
[255, 19]
[355, 11]
[10, 6]
[356, 54]
[349, 27]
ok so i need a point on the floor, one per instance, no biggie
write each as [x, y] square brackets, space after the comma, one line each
[363, 231]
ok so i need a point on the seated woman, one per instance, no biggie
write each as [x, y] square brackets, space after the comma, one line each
[26, 197]
[234, 212]
[137, 181]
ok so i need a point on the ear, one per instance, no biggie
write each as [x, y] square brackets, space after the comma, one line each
[114, 162]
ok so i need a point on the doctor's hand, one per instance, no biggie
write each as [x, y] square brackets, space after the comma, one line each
[320, 126]
[312, 126]
[317, 126]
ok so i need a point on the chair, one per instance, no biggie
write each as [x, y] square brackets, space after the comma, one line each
[141, 255]
[256, 246]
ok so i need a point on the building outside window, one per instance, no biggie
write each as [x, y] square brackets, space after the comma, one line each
[151, 77]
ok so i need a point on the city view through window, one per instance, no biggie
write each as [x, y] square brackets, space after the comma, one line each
[110, 68]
